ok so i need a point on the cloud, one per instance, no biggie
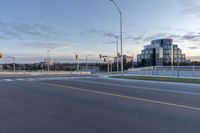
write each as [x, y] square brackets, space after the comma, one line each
[193, 47]
[192, 10]
[190, 7]
[190, 37]
[138, 38]
[46, 45]
[189, 3]
[156, 36]
[194, 58]
[23, 31]
[173, 36]
[109, 42]
[96, 33]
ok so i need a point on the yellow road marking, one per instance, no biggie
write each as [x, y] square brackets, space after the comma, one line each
[123, 96]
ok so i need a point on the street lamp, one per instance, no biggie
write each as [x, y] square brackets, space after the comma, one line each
[120, 13]
[86, 60]
[116, 37]
[48, 59]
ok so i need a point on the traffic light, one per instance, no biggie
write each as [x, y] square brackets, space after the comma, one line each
[1, 55]
[104, 59]
[76, 56]
[100, 56]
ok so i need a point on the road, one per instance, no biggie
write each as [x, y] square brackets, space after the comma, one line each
[97, 105]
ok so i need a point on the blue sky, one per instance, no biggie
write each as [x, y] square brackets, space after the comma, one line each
[29, 27]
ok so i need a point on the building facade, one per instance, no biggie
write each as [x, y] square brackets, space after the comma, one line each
[160, 52]
[126, 59]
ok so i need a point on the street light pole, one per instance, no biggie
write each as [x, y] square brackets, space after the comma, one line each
[133, 61]
[86, 64]
[13, 64]
[121, 30]
[77, 59]
[108, 69]
[117, 38]
[48, 59]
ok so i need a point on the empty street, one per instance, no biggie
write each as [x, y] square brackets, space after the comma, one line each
[97, 105]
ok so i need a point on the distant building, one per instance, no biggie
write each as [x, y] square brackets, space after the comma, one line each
[160, 52]
[126, 59]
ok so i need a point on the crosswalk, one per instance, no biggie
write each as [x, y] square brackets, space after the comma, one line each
[39, 79]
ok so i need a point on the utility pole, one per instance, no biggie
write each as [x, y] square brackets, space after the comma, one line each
[133, 62]
[121, 30]
[117, 41]
[108, 65]
[86, 61]
[178, 66]
[13, 64]
[48, 59]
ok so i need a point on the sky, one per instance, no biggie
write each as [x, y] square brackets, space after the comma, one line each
[28, 28]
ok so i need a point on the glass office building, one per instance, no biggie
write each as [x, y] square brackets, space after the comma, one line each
[160, 52]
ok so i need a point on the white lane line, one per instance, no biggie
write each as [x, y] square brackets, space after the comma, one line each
[8, 80]
[29, 79]
[20, 79]
[139, 87]
[123, 96]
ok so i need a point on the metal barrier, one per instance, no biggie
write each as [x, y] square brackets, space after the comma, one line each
[175, 71]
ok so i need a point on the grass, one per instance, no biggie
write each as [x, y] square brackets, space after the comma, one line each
[166, 79]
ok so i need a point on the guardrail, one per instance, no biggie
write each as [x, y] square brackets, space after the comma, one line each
[178, 71]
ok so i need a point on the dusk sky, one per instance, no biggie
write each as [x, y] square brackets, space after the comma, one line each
[29, 27]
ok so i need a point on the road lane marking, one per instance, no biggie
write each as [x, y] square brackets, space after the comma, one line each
[139, 87]
[20, 79]
[8, 80]
[39, 79]
[123, 96]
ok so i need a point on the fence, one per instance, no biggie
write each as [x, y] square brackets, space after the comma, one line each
[175, 71]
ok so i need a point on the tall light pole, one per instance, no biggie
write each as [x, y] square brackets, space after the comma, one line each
[86, 61]
[48, 59]
[120, 13]
[117, 38]
[13, 63]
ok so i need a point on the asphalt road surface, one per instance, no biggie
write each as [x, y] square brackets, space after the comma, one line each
[96, 105]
